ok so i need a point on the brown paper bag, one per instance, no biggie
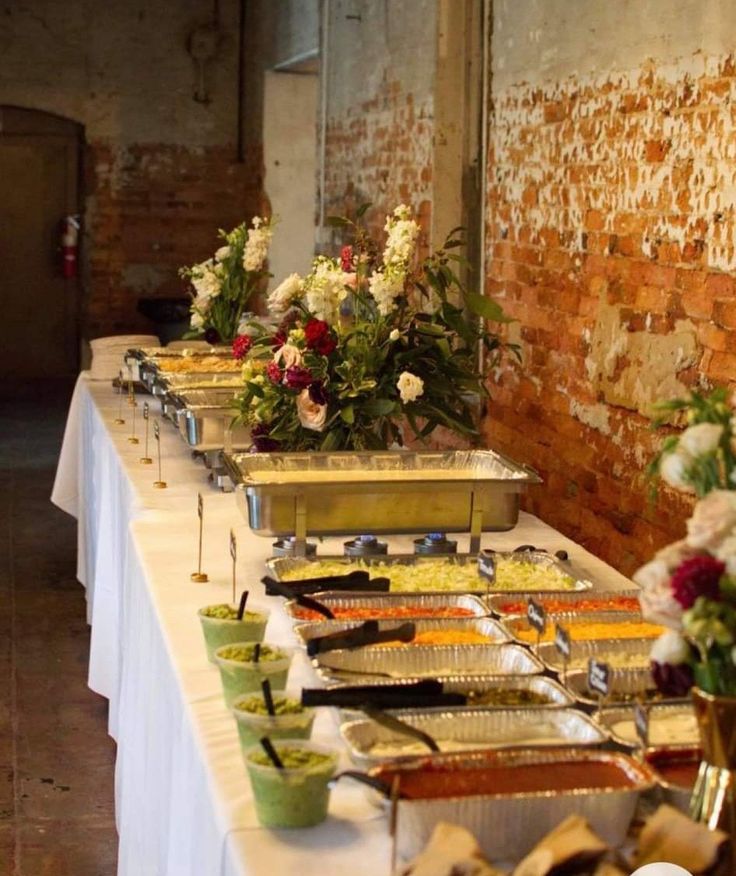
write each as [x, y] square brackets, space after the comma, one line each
[571, 844]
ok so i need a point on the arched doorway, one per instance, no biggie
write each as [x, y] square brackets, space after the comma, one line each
[40, 164]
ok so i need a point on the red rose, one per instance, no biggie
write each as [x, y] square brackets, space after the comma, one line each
[241, 345]
[298, 377]
[319, 337]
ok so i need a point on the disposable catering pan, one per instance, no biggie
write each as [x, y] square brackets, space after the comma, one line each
[684, 733]
[626, 687]
[509, 822]
[485, 626]
[370, 743]
[509, 604]
[379, 492]
[676, 771]
[520, 629]
[393, 606]
[426, 661]
[414, 574]
[618, 653]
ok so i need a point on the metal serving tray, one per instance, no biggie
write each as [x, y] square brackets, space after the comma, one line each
[379, 492]
[486, 626]
[205, 416]
[426, 661]
[516, 625]
[281, 567]
[514, 603]
[622, 681]
[380, 605]
[602, 649]
[473, 729]
[508, 825]
[608, 718]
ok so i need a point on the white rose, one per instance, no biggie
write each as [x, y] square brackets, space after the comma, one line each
[674, 467]
[713, 519]
[395, 335]
[726, 553]
[222, 253]
[670, 648]
[311, 415]
[701, 439]
[657, 602]
[410, 386]
[282, 297]
[288, 355]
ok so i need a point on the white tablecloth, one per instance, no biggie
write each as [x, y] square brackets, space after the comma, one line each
[183, 801]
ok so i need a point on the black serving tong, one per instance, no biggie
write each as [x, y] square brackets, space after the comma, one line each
[367, 633]
[401, 727]
[357, 580]
[425, 694]
[365, 779]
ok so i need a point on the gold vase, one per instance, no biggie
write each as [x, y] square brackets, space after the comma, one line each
[713, 802]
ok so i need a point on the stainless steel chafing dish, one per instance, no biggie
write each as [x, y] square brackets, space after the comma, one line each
[205, 417]
[370, 743]
[379, 492]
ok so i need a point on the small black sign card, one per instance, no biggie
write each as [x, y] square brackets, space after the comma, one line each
[536, 615]
[487, 567]
[599, 676]
[641, 722]
[562, 642]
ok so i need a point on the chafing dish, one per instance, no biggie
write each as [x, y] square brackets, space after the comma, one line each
[204, 416]
[379, 492]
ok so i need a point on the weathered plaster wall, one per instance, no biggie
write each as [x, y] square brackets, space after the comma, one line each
[161, 169]
[612, 239]
[380, 64]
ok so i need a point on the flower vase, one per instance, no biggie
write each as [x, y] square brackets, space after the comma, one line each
[714, 796]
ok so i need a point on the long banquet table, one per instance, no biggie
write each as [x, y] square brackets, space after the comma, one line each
[183, 800]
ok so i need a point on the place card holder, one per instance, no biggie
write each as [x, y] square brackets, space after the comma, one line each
[599, 681]
[537, 618]
[145, 459]
[199, 576]
[234, 558]
[119, 421]
[160, 484]
[132, 438]
[563, 645]
[131, 389]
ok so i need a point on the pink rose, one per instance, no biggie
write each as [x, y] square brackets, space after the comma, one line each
[713, 519]
[311, 415]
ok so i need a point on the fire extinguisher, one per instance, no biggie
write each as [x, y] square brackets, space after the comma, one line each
[69, 247]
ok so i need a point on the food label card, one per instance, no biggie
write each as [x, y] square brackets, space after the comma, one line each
[599, 676]
[562, 642]
[536, 615]
[487, 567]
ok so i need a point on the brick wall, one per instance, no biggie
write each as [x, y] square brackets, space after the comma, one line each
[151, 209]
[612, 239]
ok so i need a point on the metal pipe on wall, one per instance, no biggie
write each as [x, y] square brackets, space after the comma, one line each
[323, 72]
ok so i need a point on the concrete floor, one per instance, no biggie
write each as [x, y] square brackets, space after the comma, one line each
[56, 760]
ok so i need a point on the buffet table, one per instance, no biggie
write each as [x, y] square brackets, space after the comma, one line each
[183, 800]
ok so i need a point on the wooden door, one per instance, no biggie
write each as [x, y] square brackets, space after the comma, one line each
[39, 171]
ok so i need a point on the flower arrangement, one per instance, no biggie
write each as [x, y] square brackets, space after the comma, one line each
[367, 343]
[224, 284]
[690, 586]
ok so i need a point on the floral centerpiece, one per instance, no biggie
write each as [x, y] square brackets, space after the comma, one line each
[368, 344]
[690, 586]
[224, 284]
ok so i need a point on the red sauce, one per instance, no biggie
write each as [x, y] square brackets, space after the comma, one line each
[591, 603]
[388, 612]
[676, 767]
[436, 782]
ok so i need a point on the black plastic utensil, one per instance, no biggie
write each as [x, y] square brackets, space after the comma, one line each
[314, 605]
[358, 580]
[268, 697]
[368, 633]
[365, 779]
[401, 727]
[273, 756]
[425, 694]
[241, 607]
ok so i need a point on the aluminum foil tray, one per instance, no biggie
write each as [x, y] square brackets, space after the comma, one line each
[674, 794]
[609, 718]
[399, 491]
[624, 682]
[481, 684]
[426, 661]
[486, 626]
[507, 604]
[508, 826]
[515, 625]
[282, 568]
[620, 653]
[409, 602]
[472, 729]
